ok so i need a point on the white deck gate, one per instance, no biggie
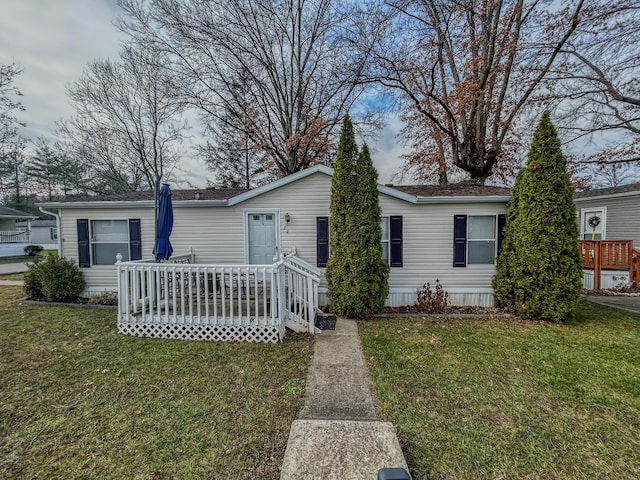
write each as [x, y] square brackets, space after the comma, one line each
[184, 300]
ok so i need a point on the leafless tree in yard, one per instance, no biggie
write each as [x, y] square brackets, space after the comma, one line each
[301, 76]
[599, 80]
[464, 71]
[9, 106]
[128, 126]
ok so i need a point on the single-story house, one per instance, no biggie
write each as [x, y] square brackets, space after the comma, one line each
[42, 232]
[446, 233]
[12, 240]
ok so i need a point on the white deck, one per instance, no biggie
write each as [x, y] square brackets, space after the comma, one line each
[185, 300]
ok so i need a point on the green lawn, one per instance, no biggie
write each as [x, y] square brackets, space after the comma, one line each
[507, 399]
[22, 259]
[80, 401]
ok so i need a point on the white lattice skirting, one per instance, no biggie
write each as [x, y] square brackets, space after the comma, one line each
[215, 333]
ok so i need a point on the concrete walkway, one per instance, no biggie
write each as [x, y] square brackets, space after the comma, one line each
[631, 304]
[338, 435]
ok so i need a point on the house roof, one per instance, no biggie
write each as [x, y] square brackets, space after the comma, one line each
[234, 196]
[39, 223]
[455, 192]
[6, 212]
[621, 190]
[176, 195]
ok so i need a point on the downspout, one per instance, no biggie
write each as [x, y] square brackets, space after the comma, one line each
[58, 227]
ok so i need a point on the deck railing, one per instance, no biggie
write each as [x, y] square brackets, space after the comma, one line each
[14, 236]
[598, 255]
[181, 299]
[302, 280]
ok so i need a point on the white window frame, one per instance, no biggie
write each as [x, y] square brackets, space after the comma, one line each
[259, 211]
[388, 240]
[584, 225]
[53, 233]
[92, 242]
[494, 240]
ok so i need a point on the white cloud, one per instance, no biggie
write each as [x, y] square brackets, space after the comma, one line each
[52, 41]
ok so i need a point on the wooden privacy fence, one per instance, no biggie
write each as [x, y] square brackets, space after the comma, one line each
[184, 300]
[599, 255]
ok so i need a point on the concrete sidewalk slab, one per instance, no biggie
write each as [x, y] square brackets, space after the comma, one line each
[338, 435]
[340, 450]
[339, 392]
[12, 283]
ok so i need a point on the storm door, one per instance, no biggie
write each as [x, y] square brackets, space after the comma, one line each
[262, 238]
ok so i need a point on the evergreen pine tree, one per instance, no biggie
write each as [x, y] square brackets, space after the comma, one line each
[503, 287]
[357, 275]
[542, 276]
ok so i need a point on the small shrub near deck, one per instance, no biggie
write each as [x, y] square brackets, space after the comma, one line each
[53, 278]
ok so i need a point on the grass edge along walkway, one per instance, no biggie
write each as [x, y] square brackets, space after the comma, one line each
[511, 399]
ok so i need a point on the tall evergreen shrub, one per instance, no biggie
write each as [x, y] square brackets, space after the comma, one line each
[357, 275]
[539, 270]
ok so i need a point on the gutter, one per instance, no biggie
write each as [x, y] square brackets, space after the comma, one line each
[58, 227]
[466, 199]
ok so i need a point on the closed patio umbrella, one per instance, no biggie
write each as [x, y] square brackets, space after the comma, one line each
[163, 248]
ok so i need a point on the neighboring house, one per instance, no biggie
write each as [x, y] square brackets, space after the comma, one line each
[609, 215]
[617, 210]
[13, 241]
[43, 232]
[430, 233]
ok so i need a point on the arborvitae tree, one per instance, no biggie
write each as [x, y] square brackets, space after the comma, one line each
[357, 275]
[503, 285]
[542, 276]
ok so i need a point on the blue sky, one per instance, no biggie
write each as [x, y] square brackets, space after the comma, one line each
[52, 40]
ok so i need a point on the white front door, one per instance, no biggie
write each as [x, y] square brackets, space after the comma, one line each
[262, 238]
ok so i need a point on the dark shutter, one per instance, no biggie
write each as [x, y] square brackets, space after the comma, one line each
[84, 258]
[135, 240]
[502, 220]
[395, 248]
[459, 240]
[322, 241]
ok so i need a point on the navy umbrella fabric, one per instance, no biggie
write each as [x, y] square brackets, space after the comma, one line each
[163, 248]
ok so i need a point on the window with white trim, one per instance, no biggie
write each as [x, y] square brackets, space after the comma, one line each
[53, 232]
[384, 226]
[108, 238]
[593, 224]
[481, 239]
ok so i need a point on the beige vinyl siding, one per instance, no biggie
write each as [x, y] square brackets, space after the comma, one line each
[103, 277]
[428, 252]
[623, 216]
[217, 236]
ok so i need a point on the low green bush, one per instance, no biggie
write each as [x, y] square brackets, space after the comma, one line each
[54, 278]
[32, 283]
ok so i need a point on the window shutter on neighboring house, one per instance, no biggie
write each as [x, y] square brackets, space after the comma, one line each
[322, 241]
[459, 240]
[135, 240]
[84, 258]
[395, 248]
[502, 220]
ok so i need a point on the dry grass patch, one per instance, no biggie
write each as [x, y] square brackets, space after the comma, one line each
[80, 401]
